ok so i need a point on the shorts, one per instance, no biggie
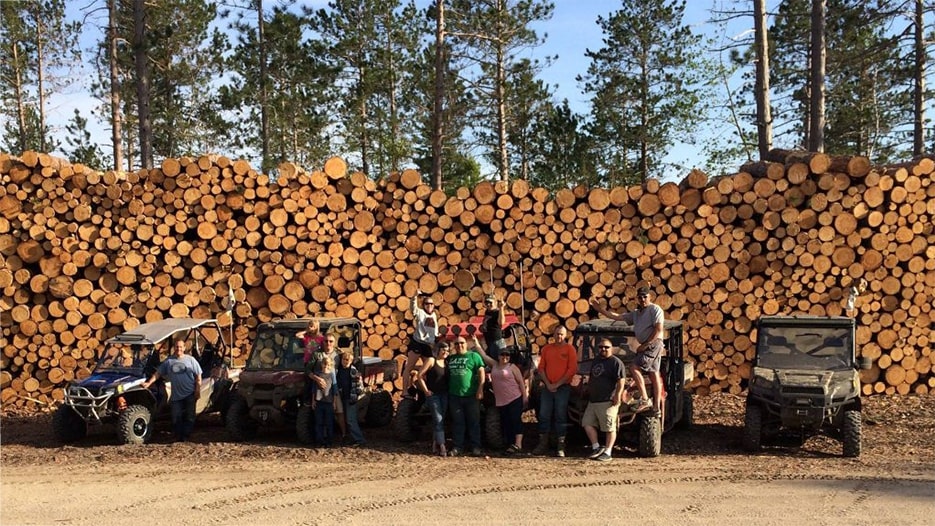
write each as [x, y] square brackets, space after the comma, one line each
[602, 415]
[422, 349]
[650, 359]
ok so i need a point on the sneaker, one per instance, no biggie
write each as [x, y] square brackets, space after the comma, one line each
[596, 453]
[640, 405]
[512, 449]
[476, 452]
[603, 457]
[455, 452]
[442, 452]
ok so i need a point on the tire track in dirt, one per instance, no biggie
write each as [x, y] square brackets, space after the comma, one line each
[348, 507]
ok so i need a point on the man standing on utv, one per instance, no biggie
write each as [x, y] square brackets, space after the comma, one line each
[647, 321]
[184, 375]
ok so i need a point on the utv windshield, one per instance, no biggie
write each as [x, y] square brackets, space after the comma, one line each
[624, 347]
[277, 349]
[125, 357]
[817, 348]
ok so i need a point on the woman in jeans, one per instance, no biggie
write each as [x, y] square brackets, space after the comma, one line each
[433, 381]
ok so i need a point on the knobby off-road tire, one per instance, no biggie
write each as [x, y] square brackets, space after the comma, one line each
[851, 431]
[134, 425]
[380, 410]
[68, 425]
[688, 408]
[650, 436]
[240, 426]
[305, 425]
[753, 428]
[493, 429]
[405, 428]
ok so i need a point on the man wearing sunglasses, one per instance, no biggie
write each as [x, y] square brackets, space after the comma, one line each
[647, 322]
[605, 392]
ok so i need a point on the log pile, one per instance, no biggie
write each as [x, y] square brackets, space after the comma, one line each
[88, 254]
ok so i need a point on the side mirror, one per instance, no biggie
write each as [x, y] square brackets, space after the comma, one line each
[865, 363]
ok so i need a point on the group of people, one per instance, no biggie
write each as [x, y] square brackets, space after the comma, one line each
[333, 387]
[452, 378]
[453, 375]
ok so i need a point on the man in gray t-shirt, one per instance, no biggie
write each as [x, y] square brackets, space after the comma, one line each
[647, 321]
[184, 375]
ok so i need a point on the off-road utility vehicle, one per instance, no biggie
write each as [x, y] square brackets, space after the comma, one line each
[805, 380]
[271, 387]
[412, 416]
[648, 426]
[113, 393]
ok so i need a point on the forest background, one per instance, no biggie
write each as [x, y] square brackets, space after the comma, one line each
[647, 88]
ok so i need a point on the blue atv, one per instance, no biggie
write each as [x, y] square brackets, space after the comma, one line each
[113, 393]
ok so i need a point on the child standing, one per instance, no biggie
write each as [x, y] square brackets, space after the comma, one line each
[323, 402]
[350, 386]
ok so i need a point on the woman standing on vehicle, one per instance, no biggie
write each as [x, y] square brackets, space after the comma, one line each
[433, 381]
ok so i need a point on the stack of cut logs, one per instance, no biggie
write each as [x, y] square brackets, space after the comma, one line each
[88, 254]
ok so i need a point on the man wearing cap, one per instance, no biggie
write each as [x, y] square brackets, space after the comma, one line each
[605, 393]
[466, 378]
[422, 342]
[647, 322]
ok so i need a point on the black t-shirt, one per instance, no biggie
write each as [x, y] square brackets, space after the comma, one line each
[605, 372]
[492, 329]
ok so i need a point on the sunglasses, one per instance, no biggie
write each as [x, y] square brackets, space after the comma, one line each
[642, 295]
[460, 343]
[605, 347]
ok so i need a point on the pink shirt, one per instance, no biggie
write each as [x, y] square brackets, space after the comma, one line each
[505, 388]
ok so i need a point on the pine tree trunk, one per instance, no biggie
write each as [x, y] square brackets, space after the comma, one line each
[438, 108]
[816, 136]
[918, 95]
[140, 54]
[116, 120]
[764, 116]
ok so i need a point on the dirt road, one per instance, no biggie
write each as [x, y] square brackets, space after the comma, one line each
[703, 477]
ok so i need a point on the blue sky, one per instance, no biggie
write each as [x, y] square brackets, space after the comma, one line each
[570, 31]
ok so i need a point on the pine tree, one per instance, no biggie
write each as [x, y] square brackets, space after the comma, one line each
[488, 35]
[41, 45]
[82, 148]
[643, 88]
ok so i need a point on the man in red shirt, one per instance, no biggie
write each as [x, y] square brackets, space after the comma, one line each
[558, 363]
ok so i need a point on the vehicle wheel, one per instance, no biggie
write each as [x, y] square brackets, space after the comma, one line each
[134, 425]
[380, 410]
[493, 430]
[404, 423]
[68, 425]
[753, 427]
[650, 436]
[851, 433]
[239, 425]
[688, 408]
[305, 425]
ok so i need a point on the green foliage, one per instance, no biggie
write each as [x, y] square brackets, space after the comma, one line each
[563, 151]
[643, 88]
[374, 44]
[487, 37]
[39, 46]
[868, 82]
[297, 80]
[81, 147]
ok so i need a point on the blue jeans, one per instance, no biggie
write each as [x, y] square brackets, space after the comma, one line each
[353, 423]
[183, 416]
[324, 422]
[438, 404]
[553, 410]
[465, 415]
